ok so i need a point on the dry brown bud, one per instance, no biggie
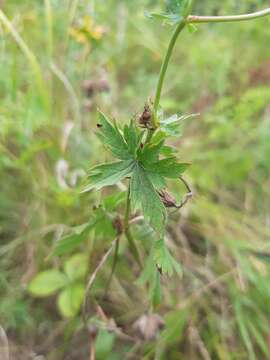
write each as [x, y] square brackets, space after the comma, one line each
[167, 199]
[118, 225]
[145, 118]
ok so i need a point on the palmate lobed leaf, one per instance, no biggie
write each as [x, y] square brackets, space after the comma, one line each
[141, 163]
[108, 174]
[143, 195]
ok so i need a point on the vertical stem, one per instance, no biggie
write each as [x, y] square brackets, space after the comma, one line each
[131, 242]
[161, 78]
[115, 259]
[164, 67]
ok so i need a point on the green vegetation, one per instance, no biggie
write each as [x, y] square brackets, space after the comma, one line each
[114, 262]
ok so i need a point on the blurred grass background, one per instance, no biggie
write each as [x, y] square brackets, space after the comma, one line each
[59, 61]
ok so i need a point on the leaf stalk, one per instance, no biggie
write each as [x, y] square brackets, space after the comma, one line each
[194, 19]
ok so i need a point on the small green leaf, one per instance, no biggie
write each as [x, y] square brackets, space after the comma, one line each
[176, 118]
[76, 267]
[70, 299]
[164, 259]
[143, 195]
[170, 126]
[67, 244]
[192, 28]
[111, 137]
[104, 344]
[170, 19]
[70, 242]
[47, 283]
[108, 174]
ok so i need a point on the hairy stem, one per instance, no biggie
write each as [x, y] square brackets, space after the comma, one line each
[231, 18]
[132, 244]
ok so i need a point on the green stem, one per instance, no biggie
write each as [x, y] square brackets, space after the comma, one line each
[131, 242]
[115, 259]
[164, 68]
[161, 78]
[230, 18]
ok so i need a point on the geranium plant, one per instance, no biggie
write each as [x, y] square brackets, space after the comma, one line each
[144, 163]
